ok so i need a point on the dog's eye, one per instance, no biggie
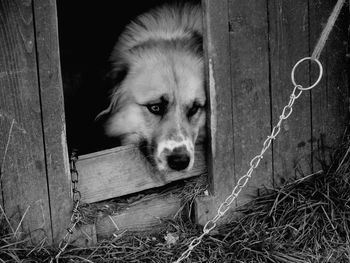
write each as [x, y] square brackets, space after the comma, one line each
[157, 109]
[193, 110]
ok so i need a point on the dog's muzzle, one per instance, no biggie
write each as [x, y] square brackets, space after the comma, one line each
[175, 155]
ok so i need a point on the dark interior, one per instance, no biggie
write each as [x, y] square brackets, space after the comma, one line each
[88, 31]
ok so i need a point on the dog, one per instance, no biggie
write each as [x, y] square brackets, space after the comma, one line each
[158, 100]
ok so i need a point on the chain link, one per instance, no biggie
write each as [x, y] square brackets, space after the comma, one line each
[225, 206]
[76, 216]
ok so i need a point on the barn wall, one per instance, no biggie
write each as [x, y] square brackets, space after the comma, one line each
[249, 62]
[330, 100]
[282, 32]
[250, 46]
[265, 39]
[34, 169]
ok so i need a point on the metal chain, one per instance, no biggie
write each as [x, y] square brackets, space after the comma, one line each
[225, 206]
[76, 216]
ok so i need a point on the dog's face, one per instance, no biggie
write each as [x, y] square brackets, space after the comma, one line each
[160, 105]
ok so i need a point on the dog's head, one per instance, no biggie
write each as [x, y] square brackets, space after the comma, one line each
[159, 101]
[160, 106]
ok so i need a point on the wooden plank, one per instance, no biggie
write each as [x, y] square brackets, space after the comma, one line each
[250, 91]
[330, 99]
[5, 138]
[144, 215]
[289, 42]
[220, 151]
[84, 236]
[51, 91]
[23, 175]
[124, 170]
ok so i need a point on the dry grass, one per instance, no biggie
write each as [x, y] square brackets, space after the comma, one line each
[307, 220]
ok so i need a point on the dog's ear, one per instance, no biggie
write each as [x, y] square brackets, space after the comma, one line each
[118, 74]
[103, 115]
[115, 77]
[197, 42]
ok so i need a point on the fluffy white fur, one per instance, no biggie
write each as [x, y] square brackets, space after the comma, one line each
[157, 64]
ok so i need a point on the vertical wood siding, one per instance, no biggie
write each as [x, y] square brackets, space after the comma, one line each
[250, 49]
[23, 174]
[266, 39]
[34, 166]
[53, 117]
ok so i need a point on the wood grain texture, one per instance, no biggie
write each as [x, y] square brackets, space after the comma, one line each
[250, 91]
[145, 215]
[330, 99]
[289, 42]
[124, 170]
[23, 175]
[84, 236]
[52, 104]
[219, 92]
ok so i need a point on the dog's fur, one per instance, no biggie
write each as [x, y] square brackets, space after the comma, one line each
[159, 98]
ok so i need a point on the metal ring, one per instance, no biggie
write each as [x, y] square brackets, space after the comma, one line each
[319, 76]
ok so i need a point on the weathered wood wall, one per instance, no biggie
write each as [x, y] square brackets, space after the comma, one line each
[330, 101]
[34, 173]
[252, 47]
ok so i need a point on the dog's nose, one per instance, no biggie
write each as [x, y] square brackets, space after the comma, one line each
[178, 162]
[179, 159]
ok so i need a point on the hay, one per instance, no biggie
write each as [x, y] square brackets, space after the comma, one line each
[307, 220]
[186, 190]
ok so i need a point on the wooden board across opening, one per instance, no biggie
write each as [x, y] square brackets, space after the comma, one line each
[124, 170]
